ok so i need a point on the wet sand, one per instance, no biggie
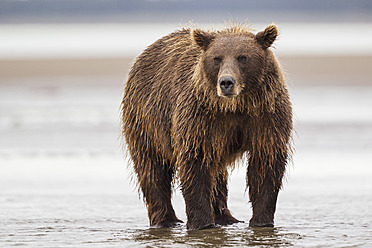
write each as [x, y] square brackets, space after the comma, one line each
[65, 183]
[349, 70]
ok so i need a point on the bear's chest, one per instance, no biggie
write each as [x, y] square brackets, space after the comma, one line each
[229, 134]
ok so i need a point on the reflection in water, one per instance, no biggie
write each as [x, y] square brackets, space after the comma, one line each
[208, 238]
[235, 235]
[270, 236]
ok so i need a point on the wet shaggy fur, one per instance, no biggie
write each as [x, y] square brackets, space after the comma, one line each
[180, 120]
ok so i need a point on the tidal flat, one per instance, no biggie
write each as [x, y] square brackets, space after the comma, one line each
[65, 182]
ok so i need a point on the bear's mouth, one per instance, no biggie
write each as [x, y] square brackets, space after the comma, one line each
[232, 93]
[227, 95]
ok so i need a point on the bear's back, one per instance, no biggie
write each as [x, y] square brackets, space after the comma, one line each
[157, 64]
[153, 86]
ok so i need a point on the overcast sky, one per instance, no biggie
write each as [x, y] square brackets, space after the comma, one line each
[18, 11]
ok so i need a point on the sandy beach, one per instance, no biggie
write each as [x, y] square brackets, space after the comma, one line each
[300, 70]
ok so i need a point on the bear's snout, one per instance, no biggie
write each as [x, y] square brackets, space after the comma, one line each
[226, 84]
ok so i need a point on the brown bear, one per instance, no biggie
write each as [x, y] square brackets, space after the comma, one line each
[195, 101]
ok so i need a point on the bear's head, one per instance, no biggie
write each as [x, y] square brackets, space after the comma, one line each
[234, 63]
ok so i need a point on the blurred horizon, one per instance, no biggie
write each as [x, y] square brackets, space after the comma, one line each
[94, 40]
[56, 29]
[155, 11]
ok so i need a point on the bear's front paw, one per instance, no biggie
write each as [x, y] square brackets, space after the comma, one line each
[260, 223]
[226, 218]
[168, 223]
[199, 226]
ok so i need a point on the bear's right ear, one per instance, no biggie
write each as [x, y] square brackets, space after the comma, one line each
[267, 37]
[201, 38]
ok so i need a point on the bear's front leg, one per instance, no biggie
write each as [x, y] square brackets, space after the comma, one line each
[197, 189]
[264, 182]
[222, 214]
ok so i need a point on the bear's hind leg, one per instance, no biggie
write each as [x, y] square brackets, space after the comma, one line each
[155, 180]
[221, 212]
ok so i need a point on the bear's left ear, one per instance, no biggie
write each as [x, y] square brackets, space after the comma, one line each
[267, 37]
[201, 38]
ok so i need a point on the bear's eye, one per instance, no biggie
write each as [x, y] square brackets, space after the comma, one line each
[242, 58]
[217, 60]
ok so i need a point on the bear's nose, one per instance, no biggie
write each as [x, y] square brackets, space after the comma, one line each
[226, 83]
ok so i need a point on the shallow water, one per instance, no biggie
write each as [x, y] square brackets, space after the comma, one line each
[83, 201]
[88, 201]
[64, 181]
